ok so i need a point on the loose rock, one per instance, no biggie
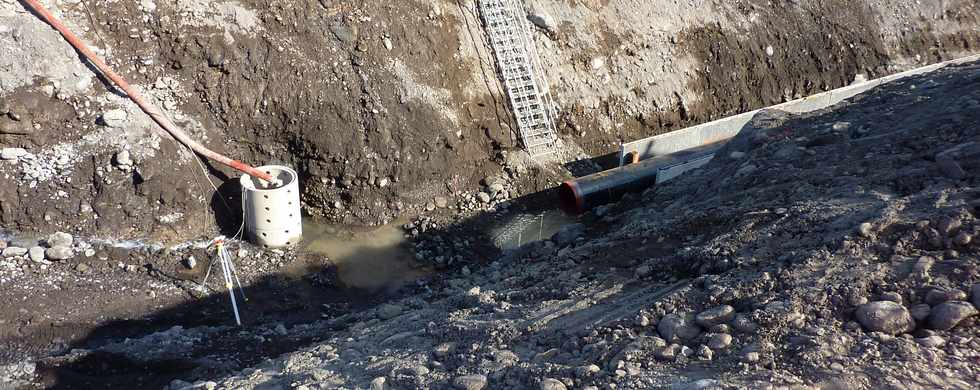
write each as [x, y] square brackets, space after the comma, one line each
[470, 382]
[886, 317]
[60, 239]
[12, 251]
[719, 341]
[36, 254]
[716, 316]
[674, 327]
[11, 154]
[947, 315]
[59, 253]
[551, 384]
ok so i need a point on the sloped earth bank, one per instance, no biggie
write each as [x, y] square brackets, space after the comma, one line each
[390, 109]
[828, 250]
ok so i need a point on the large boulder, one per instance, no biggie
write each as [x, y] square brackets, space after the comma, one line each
[885, 316]
[947, 315]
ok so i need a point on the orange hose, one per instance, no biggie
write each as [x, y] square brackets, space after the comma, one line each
[135, 96]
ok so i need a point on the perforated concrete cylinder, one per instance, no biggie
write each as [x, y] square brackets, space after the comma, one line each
[272, 213]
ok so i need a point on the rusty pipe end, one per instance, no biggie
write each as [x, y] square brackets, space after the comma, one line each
[570, 198]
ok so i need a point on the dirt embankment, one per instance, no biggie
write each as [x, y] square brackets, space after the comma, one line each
[383, 106]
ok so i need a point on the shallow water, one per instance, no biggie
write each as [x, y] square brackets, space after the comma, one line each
[373, 260]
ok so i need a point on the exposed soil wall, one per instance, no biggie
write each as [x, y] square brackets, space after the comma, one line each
[383, 106]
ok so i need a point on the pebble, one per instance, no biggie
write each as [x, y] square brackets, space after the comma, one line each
[551, 384]
[949, 314]
[885, 316]
[937, 296]
[12, 251]
[736, 155]
[441, 202]
[963, 239]
[865, 230]
[378, 383]
[587, 371]
[719, 341]
[470, 382]
[36, 253]
[715, 316]
[59, 253]
[11, 154]
[123, 160]
[892, 296]
[483, 196]
[83, 268]
[705, 353]
[668, 353]
[60, 239]
[674, 327]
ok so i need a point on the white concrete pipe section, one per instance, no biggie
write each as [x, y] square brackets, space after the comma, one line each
[272, 213]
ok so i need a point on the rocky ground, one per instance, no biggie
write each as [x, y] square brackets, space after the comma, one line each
[828, 250]
[831, 249]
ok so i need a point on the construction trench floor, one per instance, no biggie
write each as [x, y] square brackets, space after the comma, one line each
[763, 268]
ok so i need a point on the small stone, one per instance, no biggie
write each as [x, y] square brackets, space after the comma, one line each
[947, 315]
[736, 155]
[11, 154]
[484, 197]
[190, 262]
[115, 118]
[389, 311]
[719, 341]
[674, 327]
[443, 350]
[720, 328]
[123, 160]
[60, 239]
[441, 202]
[36, 254]
[705, 353]
[920, 312]
[885, 316]
[937, 296]
[470, 382]
[83, 268]
[668, 353]
[770, 50]
[715, 316]
[551, 384]
[865, 230]
[378, 383]
[931, 341]
[892, 296]
[12, 251]
[59, 253]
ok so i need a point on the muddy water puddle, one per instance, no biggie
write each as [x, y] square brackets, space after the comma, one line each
[370, 260]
